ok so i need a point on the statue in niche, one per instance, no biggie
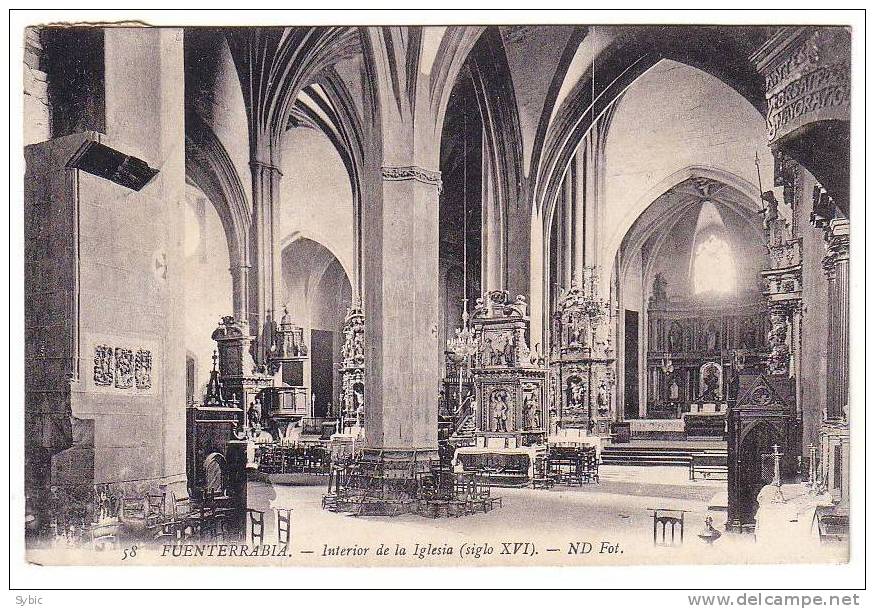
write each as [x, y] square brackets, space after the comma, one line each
[500, 410]
[710, 383]
[104, 365]
[575, 392]
[673, 391]
[508, 349]
[779, 355]
[253, 415]
[675, 338]
[660, 285]
[585, 332]
[487, 353]
[554, 421]
[532, 410]
[358, 401]
[602, 399]
[124, 368]
[713, 338]
[143, 369]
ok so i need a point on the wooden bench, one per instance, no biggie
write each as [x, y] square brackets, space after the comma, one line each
[707, 464]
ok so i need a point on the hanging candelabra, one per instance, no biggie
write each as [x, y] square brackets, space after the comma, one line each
[464, 344]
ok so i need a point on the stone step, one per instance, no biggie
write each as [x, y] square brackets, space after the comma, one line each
[652, 455]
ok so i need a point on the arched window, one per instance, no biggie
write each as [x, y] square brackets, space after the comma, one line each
[713, 267]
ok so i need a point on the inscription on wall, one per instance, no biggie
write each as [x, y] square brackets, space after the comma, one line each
[808, 81]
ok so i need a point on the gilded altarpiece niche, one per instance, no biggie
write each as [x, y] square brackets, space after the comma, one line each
[582, 353]
[510, 387]
[352, 368]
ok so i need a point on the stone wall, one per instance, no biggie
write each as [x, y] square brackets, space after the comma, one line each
[105, 359]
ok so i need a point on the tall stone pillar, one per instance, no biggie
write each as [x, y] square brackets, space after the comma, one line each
[240, 287]
[835, 433]
[590, 152]
[492, 254]
[566, 236]
[265, 193]
[835, 265]
[402, 364]
[105, 359]
[578, 190]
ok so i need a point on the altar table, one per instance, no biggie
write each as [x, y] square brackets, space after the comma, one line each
[500, 466]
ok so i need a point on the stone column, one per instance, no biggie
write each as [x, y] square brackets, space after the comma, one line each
[590, 151]
[578, 193]
[834, 436]
[492, 256]
[265, 193]
[402, 361]
[567, 234]
[240, 290]
[835, 265]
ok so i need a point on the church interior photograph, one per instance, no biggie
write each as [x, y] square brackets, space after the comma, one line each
[299, 287]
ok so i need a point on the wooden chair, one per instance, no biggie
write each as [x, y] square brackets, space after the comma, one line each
[212, 519]
[154, 512]
[256, 526]
[104, 536]
[665, 519]
[176, 523]
[589, 465]
[283, 526]
[542, 478]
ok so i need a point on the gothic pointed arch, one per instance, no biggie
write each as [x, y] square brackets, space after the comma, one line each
[625, 59]
[210, 168]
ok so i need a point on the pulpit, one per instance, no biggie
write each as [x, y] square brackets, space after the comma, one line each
[510, 389]
[762, 415]
[215, 458]
[242, 381]
[288, 400]
[583, 354]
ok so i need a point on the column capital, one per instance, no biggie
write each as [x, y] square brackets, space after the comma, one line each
[838, 243]
[412, 172]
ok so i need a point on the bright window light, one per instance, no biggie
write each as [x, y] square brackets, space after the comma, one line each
[713, 267]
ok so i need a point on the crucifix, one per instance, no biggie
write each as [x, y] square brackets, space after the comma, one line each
[776, 479]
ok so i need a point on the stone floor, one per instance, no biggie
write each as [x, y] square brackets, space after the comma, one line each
[609, 523]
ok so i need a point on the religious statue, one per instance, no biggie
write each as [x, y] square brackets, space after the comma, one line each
[712, 339]
[554, 421]
[532, 409]
[467, 402]
[659, 289]
[673, 391]
[575, 392]
[358, 397]
[508, 349]
[253, 415]
[500, 410]
[779, 355]
[710, 383]
[675, 338]
[487, 354]
[602, 399]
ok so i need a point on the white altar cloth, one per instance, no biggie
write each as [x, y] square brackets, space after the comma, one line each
[530, 451]
[793, 519]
